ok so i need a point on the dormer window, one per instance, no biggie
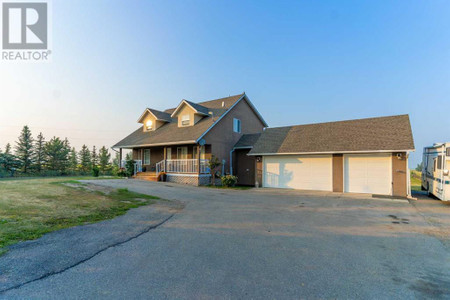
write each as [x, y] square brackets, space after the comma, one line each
[185, 120]
[149, 125]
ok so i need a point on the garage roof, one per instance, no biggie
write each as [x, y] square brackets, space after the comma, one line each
[385, 134]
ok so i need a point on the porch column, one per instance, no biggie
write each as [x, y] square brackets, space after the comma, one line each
[198, 159]
[120, 157]
[165, 159]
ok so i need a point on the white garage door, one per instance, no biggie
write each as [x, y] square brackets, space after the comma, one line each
[298, 172]
[368, 174]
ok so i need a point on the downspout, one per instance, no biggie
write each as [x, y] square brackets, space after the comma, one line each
[231, 161]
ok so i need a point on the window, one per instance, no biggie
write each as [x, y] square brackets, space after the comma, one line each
[185, 120]
[146, 156]
[448, 151]
[439, 162]
[237, 125]
[202, 152]
[149, 125]
[182, 152]
[169, 153]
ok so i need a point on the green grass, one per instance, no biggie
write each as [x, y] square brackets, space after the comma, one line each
[416, 180]
[30, 208]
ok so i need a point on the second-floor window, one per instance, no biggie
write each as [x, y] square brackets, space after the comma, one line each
[237, 125]
[185, 120]
[149, 125]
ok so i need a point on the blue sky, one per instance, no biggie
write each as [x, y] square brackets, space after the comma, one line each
[298, 61]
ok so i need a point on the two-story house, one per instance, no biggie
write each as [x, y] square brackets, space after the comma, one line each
[181, 140]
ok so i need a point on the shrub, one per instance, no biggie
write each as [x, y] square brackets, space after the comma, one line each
[95, 171]
[229, 180]
[121, 172]
[129, 167]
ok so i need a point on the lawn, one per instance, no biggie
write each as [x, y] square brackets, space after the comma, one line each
[416, 180]
[30, 208]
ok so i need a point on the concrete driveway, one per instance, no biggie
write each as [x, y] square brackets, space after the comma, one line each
[263, 243]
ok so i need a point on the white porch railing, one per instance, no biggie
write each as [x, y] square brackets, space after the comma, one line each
[182, 166]
[137, 165]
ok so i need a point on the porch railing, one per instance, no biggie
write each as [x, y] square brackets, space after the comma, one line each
[137, 165]
[182, 166]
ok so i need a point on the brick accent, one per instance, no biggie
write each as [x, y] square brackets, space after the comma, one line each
[399, 174]
[338, 173]
[189, 179]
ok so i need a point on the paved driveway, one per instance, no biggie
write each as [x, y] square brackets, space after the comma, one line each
[264, 243]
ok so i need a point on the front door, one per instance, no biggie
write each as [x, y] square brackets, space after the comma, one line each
[244, 167]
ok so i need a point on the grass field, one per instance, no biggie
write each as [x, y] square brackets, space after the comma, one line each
[30, 208]
[416, 180]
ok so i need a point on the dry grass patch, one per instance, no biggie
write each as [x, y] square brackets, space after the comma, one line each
[32, 207]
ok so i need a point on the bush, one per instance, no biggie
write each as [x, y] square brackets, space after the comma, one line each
[129, 167]
[95, 171]
[229, 180]
[121, 172]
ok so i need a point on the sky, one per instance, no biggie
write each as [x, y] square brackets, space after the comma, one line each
[299, 62]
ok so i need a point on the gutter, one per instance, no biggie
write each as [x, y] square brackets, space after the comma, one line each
[331, 152]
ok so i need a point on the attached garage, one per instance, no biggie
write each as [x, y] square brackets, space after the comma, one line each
[355, 156]
[368, 173]
[298, 172]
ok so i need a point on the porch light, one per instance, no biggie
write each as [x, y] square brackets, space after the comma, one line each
[149, 124]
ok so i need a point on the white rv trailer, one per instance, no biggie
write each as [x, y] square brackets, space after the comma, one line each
[435, 170]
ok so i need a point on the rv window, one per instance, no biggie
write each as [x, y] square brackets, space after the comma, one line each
[439, 162]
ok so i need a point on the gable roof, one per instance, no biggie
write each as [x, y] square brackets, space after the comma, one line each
[170, 133]
[391, 133]
[247, 140]
[159, 115]
[199, 109]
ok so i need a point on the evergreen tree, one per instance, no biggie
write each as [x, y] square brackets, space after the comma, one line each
[116, 159]
[104, 158]
[73, 160]
[24, 149]
[39, 153]
[57, 154]
[85, 159]
[8, 161]
[94, 156]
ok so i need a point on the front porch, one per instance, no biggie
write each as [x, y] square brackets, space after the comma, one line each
[180, 164]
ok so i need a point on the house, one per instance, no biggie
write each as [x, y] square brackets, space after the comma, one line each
[356, 156]
[180, 141]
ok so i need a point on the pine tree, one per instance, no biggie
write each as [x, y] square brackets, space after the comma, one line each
[39, 153]
[104, 158]
[94, 156]
[57, 154]
[85, 159]
[8, 161]
[116, 159]
[24, 149]
[73, 160]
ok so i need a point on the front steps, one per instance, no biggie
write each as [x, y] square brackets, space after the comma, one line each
[149, 176]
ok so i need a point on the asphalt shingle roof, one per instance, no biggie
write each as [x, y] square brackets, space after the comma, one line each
[372, 134]
[160, 115]
[171, 133]
[247, 140]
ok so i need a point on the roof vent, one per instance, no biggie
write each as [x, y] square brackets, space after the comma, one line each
[223, 103]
